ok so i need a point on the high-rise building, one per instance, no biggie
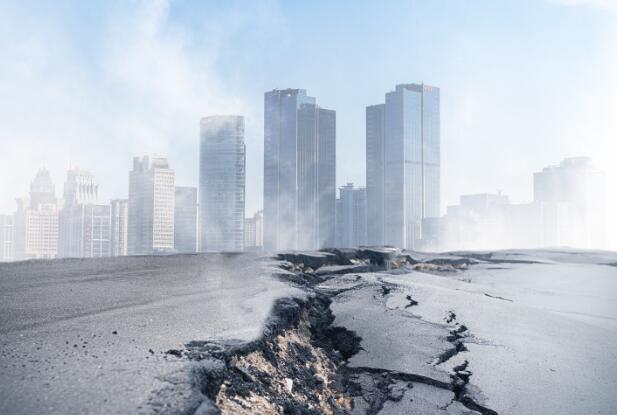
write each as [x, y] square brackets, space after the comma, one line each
[351, 224]
[222, 181]
[375, 131]
[299, 171]
[151, 206]
[253, 232]
[119, 227]
[84, 231]
[571, 198]
[6, 238]
[407, 131]
[185, 220]
[42, 190]
[84, 226]
[80, 188]
[35, 223]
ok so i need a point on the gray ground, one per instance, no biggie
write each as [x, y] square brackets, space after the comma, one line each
[58, 353]
[541, 329]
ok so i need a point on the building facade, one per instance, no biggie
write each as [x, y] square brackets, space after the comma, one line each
[185, 220]
[6, 238]
[35, 223]
[151, 206]
[253, 232]
[119, 227]
[84, 227]
[375, 131]
[222, 181]
[351, 223]
[403, 145]
[299, 171]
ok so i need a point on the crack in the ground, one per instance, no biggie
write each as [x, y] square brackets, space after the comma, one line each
[412, 302]
[299, 364]
[498, 297]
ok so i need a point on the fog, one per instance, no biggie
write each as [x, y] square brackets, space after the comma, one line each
[523, 86]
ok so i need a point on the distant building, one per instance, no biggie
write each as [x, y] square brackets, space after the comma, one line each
[6, 238]
[84, 226]
[351, 223]
[222, 181]
[299, 171]
[80, 188]
[151, 206]
[571, 198]
[35, 223]
[185, 220]
[119, 227]
[568, 210]
[403, 159]
[253, 232]
[480, 221]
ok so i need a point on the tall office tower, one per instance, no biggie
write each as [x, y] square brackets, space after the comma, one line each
[80, 188]
[572, 201]
[84, 226]
[299, 171]
[185, 220]
[222, 181]
[151, 206]
[119, 227]
[351, 224]
[410, 142]
[375, 130]
[253, 232]
[42, 190]
[36, 221]
[6, 238]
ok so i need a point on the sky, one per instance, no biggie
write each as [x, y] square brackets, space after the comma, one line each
[524, 84]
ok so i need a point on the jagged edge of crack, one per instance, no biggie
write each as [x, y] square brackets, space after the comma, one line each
[338, 343]
[460, 376]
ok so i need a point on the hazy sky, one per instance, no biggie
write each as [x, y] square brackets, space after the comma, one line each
[92, 84]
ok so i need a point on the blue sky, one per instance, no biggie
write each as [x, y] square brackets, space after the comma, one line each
[92, 84]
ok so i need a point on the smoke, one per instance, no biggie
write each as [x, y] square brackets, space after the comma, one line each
[92, 85]
[97, 86]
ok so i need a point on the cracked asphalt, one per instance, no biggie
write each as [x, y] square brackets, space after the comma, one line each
[517, 332]
[89, 336]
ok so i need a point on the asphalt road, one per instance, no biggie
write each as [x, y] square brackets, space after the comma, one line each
[90, 336]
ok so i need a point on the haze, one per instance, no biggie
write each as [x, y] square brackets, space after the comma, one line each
[523, 84]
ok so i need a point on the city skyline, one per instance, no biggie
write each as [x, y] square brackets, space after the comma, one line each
[92, 103]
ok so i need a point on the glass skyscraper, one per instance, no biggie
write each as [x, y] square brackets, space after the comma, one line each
[222, 180]
[299, 171]
[375, 116]
[406, 151]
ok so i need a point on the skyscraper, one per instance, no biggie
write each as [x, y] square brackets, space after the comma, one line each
[299, 171]
[151, 206]
[6, 238]
[80, 187]
[119, 227]
[36, 221]
[375, 131]
[84, 226]
[222, 180]
[185, 220]
[410, 141]
[351, 223]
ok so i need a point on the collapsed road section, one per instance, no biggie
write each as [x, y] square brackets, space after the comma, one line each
[351, 345]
